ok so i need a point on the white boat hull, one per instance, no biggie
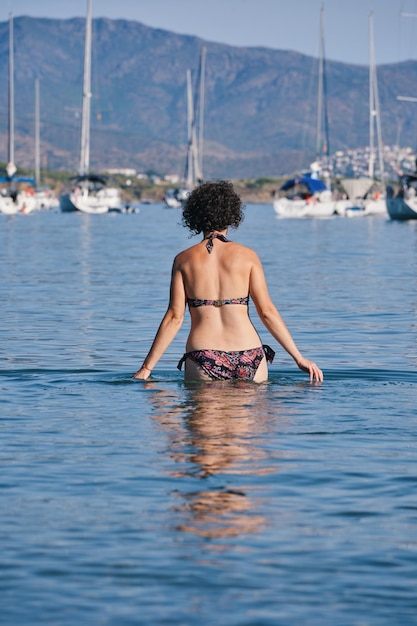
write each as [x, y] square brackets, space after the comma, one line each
[173, 203]
[297, 209]
[24, 203]
[8, 206]
[175, 198]
[27, 202]
[103, 201]
[46, 200]
[376, 207]
[402, 209]
[346, 208]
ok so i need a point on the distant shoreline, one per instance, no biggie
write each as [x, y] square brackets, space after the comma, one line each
[145, 189]
[151, 188]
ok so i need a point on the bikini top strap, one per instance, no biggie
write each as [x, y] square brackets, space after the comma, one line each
[214, 235]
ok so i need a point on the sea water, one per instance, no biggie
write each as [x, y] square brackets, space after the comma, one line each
[126, 502]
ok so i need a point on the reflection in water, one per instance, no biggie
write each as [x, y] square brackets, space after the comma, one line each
[220, 513]
[216, 431]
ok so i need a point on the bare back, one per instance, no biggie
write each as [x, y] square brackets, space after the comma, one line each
[224, 274]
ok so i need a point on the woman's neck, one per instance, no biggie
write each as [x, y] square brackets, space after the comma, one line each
[211, 232]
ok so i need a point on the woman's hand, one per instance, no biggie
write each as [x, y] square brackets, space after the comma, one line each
[143, 373]
[311, 368]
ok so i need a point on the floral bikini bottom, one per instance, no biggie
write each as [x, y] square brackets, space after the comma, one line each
[221, 365]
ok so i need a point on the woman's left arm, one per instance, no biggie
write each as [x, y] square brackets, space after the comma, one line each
[169, 326]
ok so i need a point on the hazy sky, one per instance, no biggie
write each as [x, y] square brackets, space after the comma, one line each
[282, 24]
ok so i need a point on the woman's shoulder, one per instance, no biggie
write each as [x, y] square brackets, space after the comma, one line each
[249, 253]
[187, 253]
[237, 249]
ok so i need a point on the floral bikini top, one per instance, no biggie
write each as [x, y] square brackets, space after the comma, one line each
[196, 302]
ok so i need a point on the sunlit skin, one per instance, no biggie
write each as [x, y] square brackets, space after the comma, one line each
[230, 271]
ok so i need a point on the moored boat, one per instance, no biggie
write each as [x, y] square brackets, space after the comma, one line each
[376, 204]
[89, 192]
[17, 195]
[45, 198]
[403, 205]
[354, 204]
[305, 196]
[175, 198]
[308, 195]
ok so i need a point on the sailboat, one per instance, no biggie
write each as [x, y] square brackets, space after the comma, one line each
[90, 193]
[403, 205]
[361, 202]
[374, 204]
[175, 198]
[13, 197]
[309, 195]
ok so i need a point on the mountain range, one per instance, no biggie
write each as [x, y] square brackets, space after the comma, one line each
[260, 109]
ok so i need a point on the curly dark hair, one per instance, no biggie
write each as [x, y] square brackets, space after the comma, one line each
[212, 206]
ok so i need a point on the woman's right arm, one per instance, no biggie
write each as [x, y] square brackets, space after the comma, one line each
[169, 326]
[273, 321]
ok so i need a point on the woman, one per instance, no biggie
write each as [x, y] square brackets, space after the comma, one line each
[215, 278]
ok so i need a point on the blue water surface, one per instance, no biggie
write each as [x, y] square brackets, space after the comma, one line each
[126, 502]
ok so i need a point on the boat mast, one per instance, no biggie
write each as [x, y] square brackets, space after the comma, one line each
[320, 90]
[192, 167]
[322, 143]
[37, 134]
[189, 173]
[197, 132]
[408, 98]
[11, 167]
[85, 119]
[201, 110]
[196, 158]
[374, 111]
